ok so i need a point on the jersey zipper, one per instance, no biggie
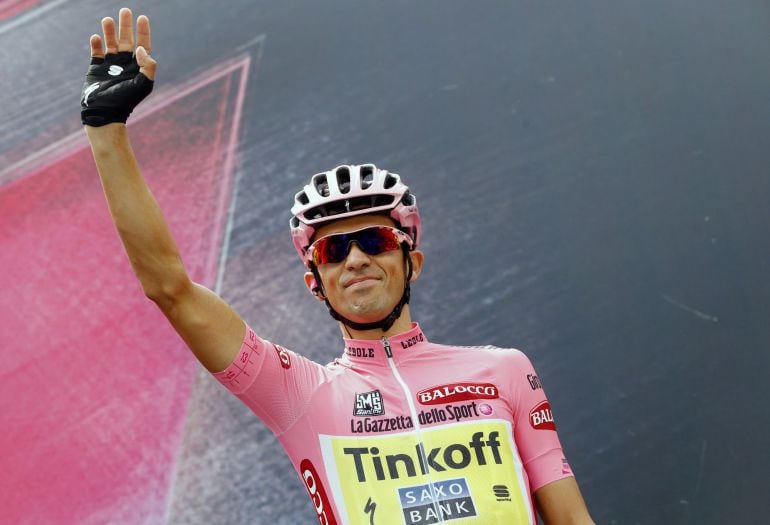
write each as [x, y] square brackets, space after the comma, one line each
[417, 427]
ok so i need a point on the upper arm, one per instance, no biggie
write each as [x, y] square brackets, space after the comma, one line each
[207, 324]
[557, 495]
[560, 503]
[534, 427]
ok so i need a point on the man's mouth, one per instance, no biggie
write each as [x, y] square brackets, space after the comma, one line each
[359, 280]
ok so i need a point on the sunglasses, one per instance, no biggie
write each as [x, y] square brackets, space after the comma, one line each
[373, 240]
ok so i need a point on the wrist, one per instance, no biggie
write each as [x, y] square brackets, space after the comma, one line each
[108, 136]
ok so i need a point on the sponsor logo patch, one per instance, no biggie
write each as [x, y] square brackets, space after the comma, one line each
[315, 489]
[485, 409]
[480, 450]
[422, 477]
[90, 89]
[369, 508]
[448, 413]
[355, 351]
[429, 416]
[283, 356]
[380, 424]
[541, 417]
[453, 392]
[369, 404]
[440, 501]
[534, 382]
[501, 493]
[407, 343]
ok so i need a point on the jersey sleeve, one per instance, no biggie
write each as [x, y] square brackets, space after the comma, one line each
[534, 427]
[275, 383]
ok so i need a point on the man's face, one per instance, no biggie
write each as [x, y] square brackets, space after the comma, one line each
[364, 288]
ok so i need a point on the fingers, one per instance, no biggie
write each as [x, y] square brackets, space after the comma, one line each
[96, 47]
[110, 36]
[125, 30]
[146, 63]
[143, 33]
[122, 38]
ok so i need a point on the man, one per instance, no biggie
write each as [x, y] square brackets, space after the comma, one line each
[398, 429]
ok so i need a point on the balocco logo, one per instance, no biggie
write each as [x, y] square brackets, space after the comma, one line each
[323, 508]
[541, 417]
[283, 356]
[454, 392]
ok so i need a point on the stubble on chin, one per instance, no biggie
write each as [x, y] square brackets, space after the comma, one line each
[365, 306]
[370, 304]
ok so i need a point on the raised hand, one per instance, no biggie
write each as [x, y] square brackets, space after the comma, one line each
[120, 78]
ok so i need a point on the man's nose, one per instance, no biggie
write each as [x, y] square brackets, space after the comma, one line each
[356, 257]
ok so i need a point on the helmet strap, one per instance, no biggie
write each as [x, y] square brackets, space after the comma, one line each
[383, 324]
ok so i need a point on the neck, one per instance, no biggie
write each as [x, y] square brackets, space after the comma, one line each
[402, 324]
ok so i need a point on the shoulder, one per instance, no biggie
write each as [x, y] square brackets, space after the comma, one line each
[336, 366]
[503, 356]
[513, 354]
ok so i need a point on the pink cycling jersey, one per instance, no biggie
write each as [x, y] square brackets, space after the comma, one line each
[405, 431]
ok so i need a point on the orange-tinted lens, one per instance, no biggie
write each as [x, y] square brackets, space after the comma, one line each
[372, 241]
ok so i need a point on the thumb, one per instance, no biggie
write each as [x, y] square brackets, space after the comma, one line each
[146, 63]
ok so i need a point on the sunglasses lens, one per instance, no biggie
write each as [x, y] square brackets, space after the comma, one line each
[378, 240]
[335, 249]
[373, 241]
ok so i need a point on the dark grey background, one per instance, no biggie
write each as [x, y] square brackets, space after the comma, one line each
[593, 178]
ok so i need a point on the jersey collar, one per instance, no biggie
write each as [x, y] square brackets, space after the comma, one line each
[373, 350]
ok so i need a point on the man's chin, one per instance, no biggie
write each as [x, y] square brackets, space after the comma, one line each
[366, 314]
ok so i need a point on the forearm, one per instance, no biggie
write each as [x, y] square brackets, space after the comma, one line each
[561, 503]
[139, 220]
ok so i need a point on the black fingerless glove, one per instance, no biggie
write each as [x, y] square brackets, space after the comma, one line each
[113, 88]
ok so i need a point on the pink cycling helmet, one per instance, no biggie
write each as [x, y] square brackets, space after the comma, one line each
[347, 191]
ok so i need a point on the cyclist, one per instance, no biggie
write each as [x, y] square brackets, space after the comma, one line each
[396, 430]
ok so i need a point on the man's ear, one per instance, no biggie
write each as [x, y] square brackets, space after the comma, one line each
[312, 285]
[418, 258]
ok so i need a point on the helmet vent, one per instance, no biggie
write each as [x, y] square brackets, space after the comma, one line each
[374, 201]
[367, 176]
[390, 181]
[319, 212]
[302, 198]
[343, 179]
[321, 184]
[349, 205]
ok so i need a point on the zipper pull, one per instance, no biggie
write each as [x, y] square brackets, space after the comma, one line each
[386, 344]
